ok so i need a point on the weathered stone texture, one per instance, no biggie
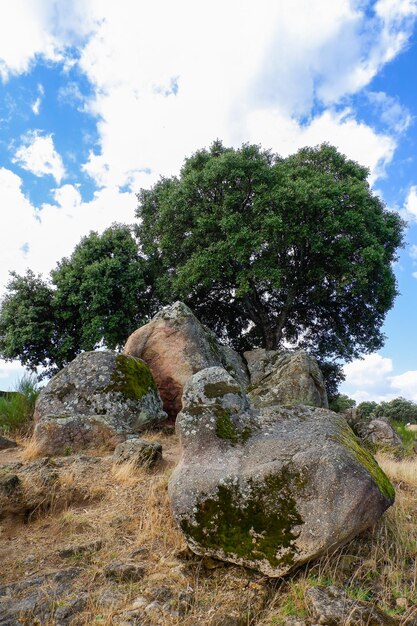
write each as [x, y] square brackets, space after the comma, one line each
[269, 488]
[99, 398]
[138, 452]
[278, 377]
[379, 434]
[175, 346]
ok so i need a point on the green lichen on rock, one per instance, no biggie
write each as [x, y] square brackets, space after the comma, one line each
[220, 389]
[365, 458]
[224, 426]
[225, 429]
[213, 344]
[131, 377]
[256, 521]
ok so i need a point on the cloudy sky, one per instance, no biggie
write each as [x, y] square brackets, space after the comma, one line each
[99, 98]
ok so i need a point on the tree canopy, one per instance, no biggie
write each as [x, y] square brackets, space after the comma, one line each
[273, 251]
[96, 296]
[268, 251]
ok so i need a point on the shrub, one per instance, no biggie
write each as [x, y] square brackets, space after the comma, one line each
[408, 437]
[16, 407]
[399, 409]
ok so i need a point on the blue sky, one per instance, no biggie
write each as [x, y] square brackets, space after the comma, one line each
[99, 99]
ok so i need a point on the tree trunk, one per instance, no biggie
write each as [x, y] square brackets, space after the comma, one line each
[283, 316]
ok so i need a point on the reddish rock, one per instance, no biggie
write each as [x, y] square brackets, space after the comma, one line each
[175, 346]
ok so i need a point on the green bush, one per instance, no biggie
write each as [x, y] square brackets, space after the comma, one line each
[16, 407]
[399, 409]
[408, 437]
[341, 403]
[366, 410]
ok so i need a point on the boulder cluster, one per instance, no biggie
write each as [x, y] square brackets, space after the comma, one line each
[269, 477]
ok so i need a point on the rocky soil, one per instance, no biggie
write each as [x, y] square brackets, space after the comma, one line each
[88, 541]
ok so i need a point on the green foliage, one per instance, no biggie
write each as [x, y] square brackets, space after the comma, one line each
[367, 410]
[408, 437]
[341, 403]
[273, 250]
[16, 408]
[265, 250]
[399, 409]
[98, 295]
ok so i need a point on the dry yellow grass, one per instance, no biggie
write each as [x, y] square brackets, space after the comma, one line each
[404, 471]
[128, 509]
[30, 450]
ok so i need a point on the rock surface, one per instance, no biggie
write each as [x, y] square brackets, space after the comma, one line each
[332, 607]
[6, 443]
[99, 397]
[379, 434]
[43, 599]
[269, 488]
[175, 346]
[285, 378]
[54, 435]
[138, 452]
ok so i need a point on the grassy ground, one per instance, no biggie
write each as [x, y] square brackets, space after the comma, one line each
[16, 408]
[129, 511]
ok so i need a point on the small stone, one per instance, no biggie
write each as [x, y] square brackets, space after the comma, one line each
[9, 485]
[401, 603]
[6, 443]
[138, 452]
[210, 563]
[84, 548]
[109, 598]
[142, 552]
[125, 571]
[66, 611]
[331, 606]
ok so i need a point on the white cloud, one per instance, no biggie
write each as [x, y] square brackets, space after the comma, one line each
[39, 238]
[37, 104]
[395, 116]
[369, 371]
[40, 27]
[269, 65]
[10, 373]
[410, 205]
[355, 139]
[406, 385]
[37, 154]
[372, 378]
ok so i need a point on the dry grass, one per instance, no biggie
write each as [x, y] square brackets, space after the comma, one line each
[401, 472]
[128, 509]
[31, 450]
[380, 566]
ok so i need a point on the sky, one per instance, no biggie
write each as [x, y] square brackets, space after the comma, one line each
[100, 98]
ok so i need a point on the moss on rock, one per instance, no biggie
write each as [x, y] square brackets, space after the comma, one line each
[365, 458]
[254, 521]
[225, 429]
[220, 389]
[131, 377]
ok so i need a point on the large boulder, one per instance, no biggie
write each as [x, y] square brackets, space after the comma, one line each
[176, 345]
[269, 488]
[56, 435]
[378, 434]
[278, 377]
[99, 397]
